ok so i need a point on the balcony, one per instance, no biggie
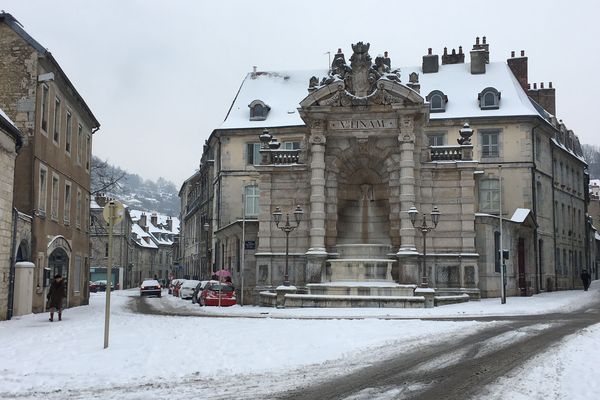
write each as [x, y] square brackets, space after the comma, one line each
[451, 153]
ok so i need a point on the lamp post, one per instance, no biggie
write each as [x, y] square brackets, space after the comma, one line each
[287, 228]
[206, 226]
[424, 229]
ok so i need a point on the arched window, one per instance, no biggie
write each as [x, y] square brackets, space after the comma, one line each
[489, 99]
[437, 101]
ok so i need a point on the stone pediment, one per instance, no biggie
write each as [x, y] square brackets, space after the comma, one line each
[361, 83]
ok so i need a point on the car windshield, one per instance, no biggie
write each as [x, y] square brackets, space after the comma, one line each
[223, 288]
[150, 283]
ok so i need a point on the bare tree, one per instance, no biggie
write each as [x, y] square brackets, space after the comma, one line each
[105, 178]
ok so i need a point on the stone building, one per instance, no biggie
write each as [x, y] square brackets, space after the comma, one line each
[195, 244]
[10, 142]
[358, 146]
[52, 173]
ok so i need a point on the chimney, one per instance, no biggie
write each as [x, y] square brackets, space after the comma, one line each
[142, 221]
[480, 55]
[453, 58]
[169, 224]
[431, 62]
[518, 66]
[545, 97]
[154, 219]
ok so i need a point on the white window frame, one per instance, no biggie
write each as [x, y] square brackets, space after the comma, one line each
[43, 190]
[69, 133]
[78, 209]
[67, 205]
[252, 200]
[256, 158]
[489, 197]
[291, 145]
[55, 196]
[437, 137]
[45, 112]
[56, 126]
[490, 133]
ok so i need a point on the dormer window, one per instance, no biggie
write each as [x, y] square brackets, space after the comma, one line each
[258, 110]
[437, 101]
[489, 99]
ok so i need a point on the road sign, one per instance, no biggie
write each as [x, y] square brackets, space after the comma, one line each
[115, 209]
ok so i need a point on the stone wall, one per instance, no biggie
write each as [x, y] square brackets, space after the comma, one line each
[7, 166]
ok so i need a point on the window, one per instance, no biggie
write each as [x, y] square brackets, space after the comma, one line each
[68, 134]
[79, 144]
[77, 277]
[252, 201]
[437, 101]
[67, 214]
[253, 153]
[78, 209]
[539, 193]
[56, 136]
[105, 249]
[558, 264]
[291, 145]
[489, 195]
[538, 148]
[497, 261]
[437, 139]
[86, 213]
[54, 199]
[489, 99]
[564, 262]
[43, 187]
[258, 110]
[88, 152]
[490, 143]
[45, 108]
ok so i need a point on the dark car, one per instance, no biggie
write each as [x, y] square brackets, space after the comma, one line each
[102, 286]
[150, 287]
[94, 287]
[217, 294]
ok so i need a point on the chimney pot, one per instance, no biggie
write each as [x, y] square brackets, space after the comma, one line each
[550, 85]
[254, 68]
[522, 53]
[534, 86]
[529, 86]
[445, 51]
[385, 54]
[459, 49]
[454, 51]
[541, 85]
[512, 54]
[339, 51]
[429, 51]
[484, 40]
[477, 40]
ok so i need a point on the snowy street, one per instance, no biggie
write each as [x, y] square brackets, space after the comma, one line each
[267, 353]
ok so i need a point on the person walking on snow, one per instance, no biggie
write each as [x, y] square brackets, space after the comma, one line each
[55, 296]
[586, 279]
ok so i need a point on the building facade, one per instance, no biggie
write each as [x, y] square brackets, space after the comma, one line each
[359, 145]
[52, 172]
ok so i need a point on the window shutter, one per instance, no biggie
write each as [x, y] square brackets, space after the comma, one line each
[250, 153]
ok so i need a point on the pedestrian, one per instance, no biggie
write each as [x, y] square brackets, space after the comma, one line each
[586, 279]
[55, 296]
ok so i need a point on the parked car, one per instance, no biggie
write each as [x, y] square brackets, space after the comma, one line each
[199, 288]
[215, 290]
[177, 287]
[150, 287]
[102, 286]
[187, 288]
[93, 287]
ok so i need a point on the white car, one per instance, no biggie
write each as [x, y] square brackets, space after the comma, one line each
[150, 287]
[187, 288]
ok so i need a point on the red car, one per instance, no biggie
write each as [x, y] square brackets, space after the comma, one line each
[176, 287]
[212, 291]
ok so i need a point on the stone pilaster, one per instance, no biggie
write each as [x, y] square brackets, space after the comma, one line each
[264, 232]
[407, 184]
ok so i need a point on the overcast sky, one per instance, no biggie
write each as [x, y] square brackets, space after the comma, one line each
[161, 75]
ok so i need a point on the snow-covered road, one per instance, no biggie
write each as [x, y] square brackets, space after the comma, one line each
[223, 358]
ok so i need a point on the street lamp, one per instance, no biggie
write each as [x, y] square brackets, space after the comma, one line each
[206, 227]
[287, 228]
[424, 229]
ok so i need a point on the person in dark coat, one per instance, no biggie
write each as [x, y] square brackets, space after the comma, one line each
[55, 296]
[586, 279]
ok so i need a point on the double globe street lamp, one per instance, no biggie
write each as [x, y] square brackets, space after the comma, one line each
[287, 228]
[424, 229]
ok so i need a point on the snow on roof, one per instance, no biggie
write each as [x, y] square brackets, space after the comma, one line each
[161, 219]
[596, 235]
[94, 205]
[594, 182]
[283, 92]
[141, 233]
[520, 214]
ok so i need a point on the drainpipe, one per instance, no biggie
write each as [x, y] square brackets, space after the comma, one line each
[11, 273]
[538, 267]
[554, 220]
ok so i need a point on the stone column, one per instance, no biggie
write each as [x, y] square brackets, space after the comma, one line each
[316, 253]
[407, 253]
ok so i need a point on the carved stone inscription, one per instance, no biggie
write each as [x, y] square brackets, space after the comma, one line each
[381, 123]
